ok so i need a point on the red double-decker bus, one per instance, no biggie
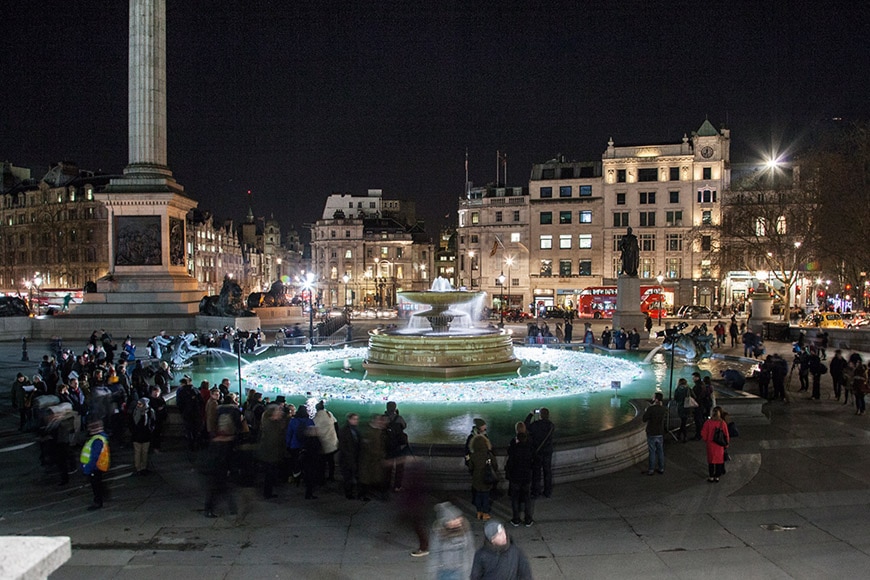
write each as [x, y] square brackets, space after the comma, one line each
[600, 302]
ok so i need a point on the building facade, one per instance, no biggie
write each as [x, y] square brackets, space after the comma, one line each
[363, 254]
[670, 195]
[493, 242]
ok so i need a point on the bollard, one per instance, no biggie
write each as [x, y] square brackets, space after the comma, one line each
[24, 356]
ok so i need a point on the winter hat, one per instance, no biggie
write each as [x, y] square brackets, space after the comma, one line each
[492, 528]
[479, 422]
[447, 511]
[73, 375]
[145, 401]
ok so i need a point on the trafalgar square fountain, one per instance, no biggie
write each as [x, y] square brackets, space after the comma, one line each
[445, 367]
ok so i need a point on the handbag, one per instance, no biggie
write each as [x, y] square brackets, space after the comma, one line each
[719, 437]
[689, 402]
[490, 473]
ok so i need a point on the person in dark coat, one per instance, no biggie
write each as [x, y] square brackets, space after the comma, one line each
[838, 364]
[373, 453]
[654, 417]
[816, 369]
[518, 471]
[541, 431]
[272, 449]
[349, 442]
[141, 428]
[161, 414]
[499, 558]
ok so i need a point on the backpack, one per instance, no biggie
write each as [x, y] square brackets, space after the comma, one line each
[397, 439]
[226, 422]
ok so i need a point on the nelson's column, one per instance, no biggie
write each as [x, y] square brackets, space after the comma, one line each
[147, 207]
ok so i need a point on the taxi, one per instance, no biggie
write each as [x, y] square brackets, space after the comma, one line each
[824, 320]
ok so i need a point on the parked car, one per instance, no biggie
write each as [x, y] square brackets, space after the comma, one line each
[516, 315]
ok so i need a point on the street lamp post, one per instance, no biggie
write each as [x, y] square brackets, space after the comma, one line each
[345, 279]
[309, 285]
[661, 279]
[501, 304]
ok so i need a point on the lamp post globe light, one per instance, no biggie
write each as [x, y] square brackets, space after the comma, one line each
[501, 302]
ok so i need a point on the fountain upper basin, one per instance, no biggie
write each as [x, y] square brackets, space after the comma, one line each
[440, 355]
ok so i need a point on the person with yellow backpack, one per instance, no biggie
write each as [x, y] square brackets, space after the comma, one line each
[95, 461]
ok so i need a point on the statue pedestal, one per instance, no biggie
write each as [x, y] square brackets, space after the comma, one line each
[627, 314]
[762, 306]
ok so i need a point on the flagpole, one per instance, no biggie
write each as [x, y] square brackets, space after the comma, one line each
[466, 174]
[497, 161]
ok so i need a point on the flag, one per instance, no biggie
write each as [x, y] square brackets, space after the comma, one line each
[495, 246]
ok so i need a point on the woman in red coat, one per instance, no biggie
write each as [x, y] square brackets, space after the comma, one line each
[715, 452]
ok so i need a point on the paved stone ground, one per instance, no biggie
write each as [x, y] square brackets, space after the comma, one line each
[795, 503]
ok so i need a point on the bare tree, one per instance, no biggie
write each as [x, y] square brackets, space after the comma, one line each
[769, 224]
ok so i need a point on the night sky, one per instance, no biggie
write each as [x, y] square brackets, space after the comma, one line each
[295, 100]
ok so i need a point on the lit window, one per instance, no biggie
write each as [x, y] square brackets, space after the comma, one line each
[546, 267]
[546, 242]
[585, 216]
[564, 241]
[515, 237]
[584, 241]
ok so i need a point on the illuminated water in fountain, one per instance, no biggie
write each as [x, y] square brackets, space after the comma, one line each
[575, 386]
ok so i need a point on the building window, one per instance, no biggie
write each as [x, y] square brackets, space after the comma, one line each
[584, 268]
[647, 267]
[674, 268]
[564, 217]
[674, 242]
[617, 238]
[780, 225]
[647, 219]
[620, 219]
[516, 215]
[615, 266]
[564, 267]
[674, 218]
[546, 192]
[371, 205]
[674, 196]
[708, 173]
[674, 173]
[332, 233]
[546, 267]
[706, 269]
[620, 199]
[706, 196]
[706, 243]
[399, 252]
[515, 237]
[707, 217]
[647, 197]
[647, 242]
[584, 241]
[564, 241]
[475, 217]
[585, 191]
[498, 216]
[548, 173]
[760, 227]
[346, 234]
[546, 242]
[546, 217]
[348, 254]
[564, 191]
[620, 176]
[474, 239]
[648, 174]
[585, 216]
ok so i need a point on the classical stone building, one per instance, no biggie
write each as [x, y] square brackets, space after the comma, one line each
[52, 226]
[493, 242]
[670, 194]
[365, 249]
[566, 231]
